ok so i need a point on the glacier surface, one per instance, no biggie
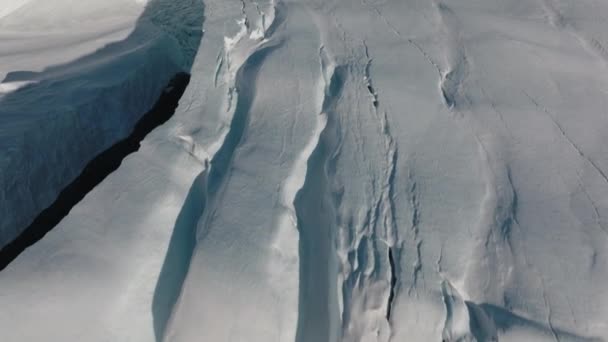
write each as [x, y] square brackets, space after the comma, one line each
[337, 170]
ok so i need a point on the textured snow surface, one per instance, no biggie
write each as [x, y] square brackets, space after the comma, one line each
[337, 170]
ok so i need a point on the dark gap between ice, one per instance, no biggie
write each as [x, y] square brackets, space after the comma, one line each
[391, 296]
[97, 170]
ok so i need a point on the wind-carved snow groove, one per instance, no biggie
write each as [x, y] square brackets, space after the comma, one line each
[240, 74]
[179, 253]
[243, 64]
[244, 87]
[318, 318]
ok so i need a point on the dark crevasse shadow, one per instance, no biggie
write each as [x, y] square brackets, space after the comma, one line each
[95, 172]
[73, 125]
[179, 254]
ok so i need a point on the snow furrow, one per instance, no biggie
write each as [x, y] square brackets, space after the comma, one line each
[245, 78]
[318, 318]
[270, 133]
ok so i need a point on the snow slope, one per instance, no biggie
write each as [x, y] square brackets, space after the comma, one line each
[393, 170]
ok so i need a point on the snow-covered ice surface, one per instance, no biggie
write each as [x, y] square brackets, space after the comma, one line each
[337, 170]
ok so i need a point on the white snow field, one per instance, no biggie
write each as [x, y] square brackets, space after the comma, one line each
[337, 170]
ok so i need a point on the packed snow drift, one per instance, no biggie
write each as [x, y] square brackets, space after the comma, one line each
[336, 170]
